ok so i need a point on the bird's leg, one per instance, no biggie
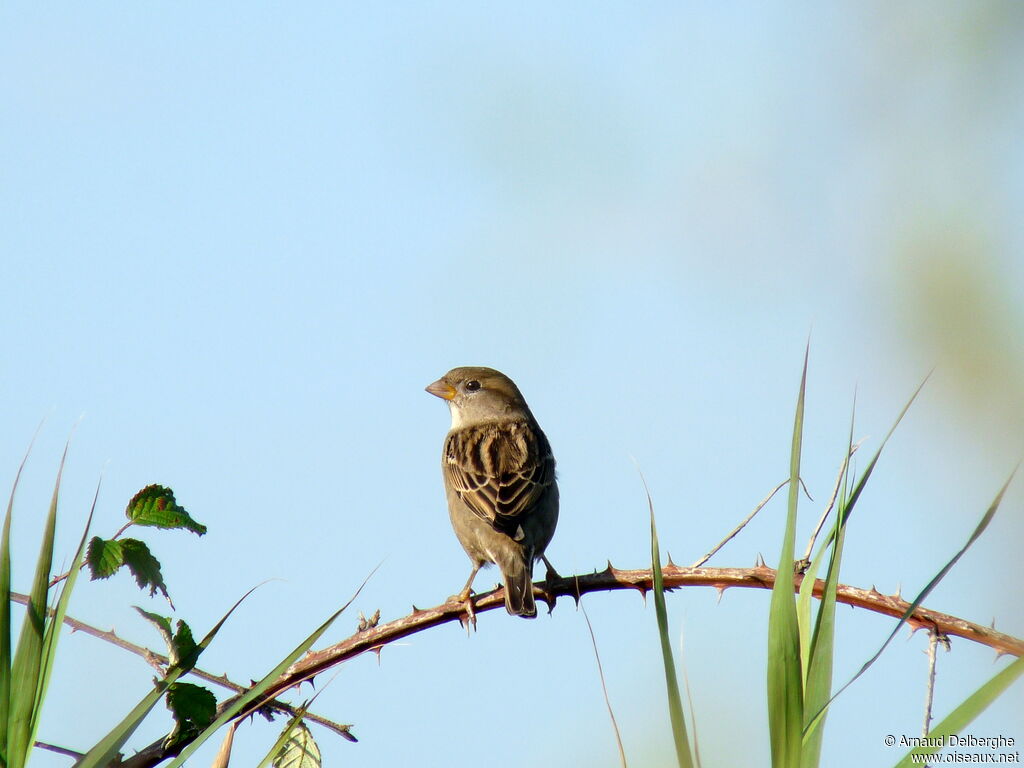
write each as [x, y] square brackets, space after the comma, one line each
[542, 590]
[551, 574]
[463, 595]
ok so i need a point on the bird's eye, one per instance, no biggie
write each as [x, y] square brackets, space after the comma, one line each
[472, 386]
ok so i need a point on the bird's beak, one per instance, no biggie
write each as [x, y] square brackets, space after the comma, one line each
[442, 390]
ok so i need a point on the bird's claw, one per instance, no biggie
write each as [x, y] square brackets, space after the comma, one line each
[551, 574]
[549, 598]
[464, 598]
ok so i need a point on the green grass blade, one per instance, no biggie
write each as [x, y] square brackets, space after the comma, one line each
[969, 709]
[675, 702]
[803, 615]
[978, 530]
[26, 668]
[818, 687]
[785, 679]
[108, 747]
[5, 618]
[55, 622]
[675, 706]
[819, 655]
[239, 704]
[862, 481]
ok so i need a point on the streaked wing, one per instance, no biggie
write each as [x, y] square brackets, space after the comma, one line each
[500, 471]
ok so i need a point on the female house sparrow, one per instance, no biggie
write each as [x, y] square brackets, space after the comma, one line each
[499, 476]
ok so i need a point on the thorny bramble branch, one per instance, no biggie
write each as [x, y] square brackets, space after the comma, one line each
[374, 638]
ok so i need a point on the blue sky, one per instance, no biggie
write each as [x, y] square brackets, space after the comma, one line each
[239, 240]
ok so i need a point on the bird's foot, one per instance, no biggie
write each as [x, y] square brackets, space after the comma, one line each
[464, 598]
[551, 574]
[546, 595]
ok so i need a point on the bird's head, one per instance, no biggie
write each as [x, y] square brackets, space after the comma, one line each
[477, 395]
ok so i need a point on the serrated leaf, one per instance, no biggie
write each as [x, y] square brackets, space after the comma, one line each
[104, 557]
[184, 645]
[181, 646]
[299, 751]
[144, 567]
[162, 624]
[155, 506]
[193, 708]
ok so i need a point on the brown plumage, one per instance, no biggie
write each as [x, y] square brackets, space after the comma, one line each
[499, 476]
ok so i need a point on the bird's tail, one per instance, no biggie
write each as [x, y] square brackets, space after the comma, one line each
[517, 573]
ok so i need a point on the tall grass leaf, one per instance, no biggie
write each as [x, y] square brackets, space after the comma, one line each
[108, 747]
[26, 668]
[968, 709]
[821, 648]
[5, 614]
[785, 679]
[978, 530]
[675, 704]
[803, 614]
[862, 481]
[238, 705]
[818, 685]
[56, 621]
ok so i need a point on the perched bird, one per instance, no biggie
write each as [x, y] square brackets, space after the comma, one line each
[499, 476]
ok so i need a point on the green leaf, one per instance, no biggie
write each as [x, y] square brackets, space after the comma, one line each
[785, 678]
[104, 557]
[818, 653]
[5, 617]
[143, 566]
[299, 750]
[155, 506]
[969, 709]
[675, 703]
[56, 621]
[180, 644]
[183, 646]
[162, 624]
[812, 725]
[27, 668]
[107, 556]
[193, 708]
